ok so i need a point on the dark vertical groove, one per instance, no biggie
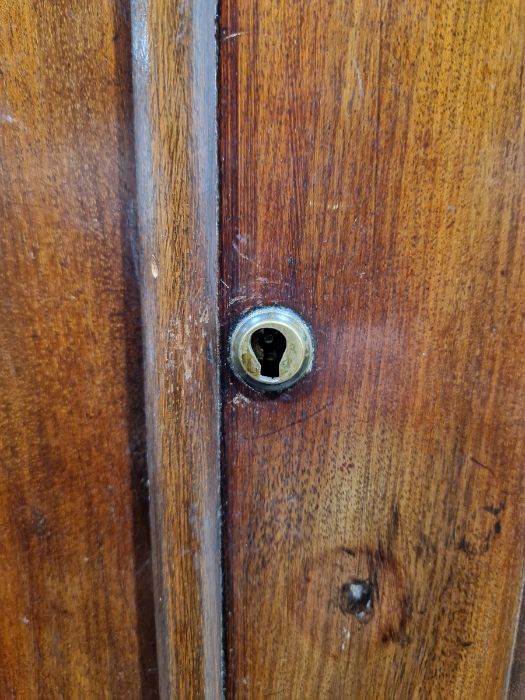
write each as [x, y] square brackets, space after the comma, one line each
[135, 379]
[228, 193]
[223, 485]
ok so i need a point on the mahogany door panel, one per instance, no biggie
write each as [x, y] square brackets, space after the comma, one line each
[75, 583]
[167, 166]
[372, 171]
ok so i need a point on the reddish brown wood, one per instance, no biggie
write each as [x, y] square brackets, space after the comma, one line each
[75, 593]
[175, 106]
[372, 179]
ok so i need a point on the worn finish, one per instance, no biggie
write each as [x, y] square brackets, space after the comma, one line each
[75, 593]
[373, 180]
[174, 68]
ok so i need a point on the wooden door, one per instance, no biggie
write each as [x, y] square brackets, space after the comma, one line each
[166, 169]
[372, 162]
[75, 561]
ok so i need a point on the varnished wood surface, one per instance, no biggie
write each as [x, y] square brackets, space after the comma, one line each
[372, 170]
[174, 68]
[75, 592]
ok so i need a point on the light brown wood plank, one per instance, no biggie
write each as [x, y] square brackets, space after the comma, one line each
[372, 158]
[75, 583]
[174, 58]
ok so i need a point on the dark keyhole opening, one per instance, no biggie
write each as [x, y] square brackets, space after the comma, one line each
[269, 345]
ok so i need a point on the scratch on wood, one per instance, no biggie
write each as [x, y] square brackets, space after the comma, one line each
[295, 422]
[483, 466]
[232, 36]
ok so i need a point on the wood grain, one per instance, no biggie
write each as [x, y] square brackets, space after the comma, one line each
[75, 587]
[372, 168]
[174, 63]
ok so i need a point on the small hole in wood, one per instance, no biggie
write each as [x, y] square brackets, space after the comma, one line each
[357, 598]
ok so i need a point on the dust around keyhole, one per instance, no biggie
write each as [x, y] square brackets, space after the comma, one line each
[269, 345]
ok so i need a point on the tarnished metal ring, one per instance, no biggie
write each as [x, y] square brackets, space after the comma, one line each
[296, 360]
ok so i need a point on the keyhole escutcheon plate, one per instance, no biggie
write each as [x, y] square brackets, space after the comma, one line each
[271, 348]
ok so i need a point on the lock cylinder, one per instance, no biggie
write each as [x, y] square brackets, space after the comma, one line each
[271, 348]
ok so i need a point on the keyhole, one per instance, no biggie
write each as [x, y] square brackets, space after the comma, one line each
[269, 345]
